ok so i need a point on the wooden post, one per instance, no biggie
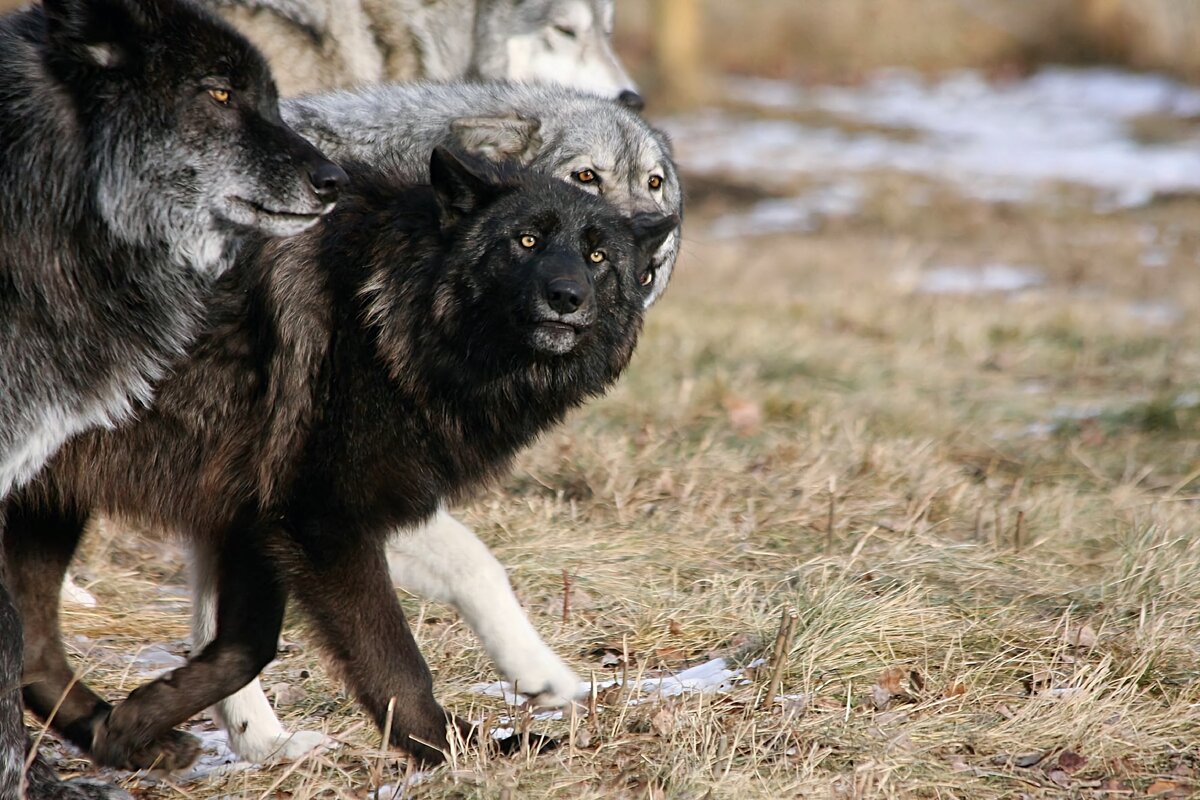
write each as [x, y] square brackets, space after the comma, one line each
[678, 52]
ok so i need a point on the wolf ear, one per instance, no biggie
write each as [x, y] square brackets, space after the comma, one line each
[95, 32]
[651, 230]
[507, 138]
[461, 186]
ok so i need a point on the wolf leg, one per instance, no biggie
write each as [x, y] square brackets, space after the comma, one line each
[37, 549]
[249, 616]
[254, 731]
[444, 561]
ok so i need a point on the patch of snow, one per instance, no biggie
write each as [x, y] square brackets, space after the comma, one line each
[979, 280]
[994, 140]
[794, 214]
[1155, 314]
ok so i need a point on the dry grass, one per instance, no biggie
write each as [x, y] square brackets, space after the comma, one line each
[802, 430]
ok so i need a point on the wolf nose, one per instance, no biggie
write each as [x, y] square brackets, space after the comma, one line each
[565, 295]
[328, 180]
[631, 100]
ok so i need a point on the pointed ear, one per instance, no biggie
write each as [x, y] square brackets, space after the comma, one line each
[506, 138]
[651, 230]
[99, 33]
[461, 187]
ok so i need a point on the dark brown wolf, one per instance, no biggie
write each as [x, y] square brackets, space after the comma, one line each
[352, 379]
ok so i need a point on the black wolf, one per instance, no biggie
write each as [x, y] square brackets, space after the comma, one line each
[139, 141]
[352, 379]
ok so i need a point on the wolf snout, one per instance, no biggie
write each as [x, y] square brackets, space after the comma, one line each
[566, 295]
[328, 180]
[631, 100]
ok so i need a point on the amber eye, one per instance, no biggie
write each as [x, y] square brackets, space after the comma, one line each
[220, 95]
[529, 242]
[647, 278]
[597, 257]
[585, 176]
[656, 182]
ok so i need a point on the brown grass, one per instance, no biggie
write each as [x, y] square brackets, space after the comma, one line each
[976, 604]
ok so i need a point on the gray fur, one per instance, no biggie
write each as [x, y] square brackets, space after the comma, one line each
[317, 45]
[553, 130]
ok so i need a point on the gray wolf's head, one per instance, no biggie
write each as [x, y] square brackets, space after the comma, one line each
[542, 269]
[613, 154]
[181, 116]
[552, 41]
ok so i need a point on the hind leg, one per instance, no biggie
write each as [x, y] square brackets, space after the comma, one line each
[37, 549]
[249, 617]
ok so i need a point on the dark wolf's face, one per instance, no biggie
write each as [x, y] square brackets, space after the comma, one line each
[555, 273]
[185, 123]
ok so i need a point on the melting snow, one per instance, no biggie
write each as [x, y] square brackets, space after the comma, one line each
[980, 280]
[993, 140]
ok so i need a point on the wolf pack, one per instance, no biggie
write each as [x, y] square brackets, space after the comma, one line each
[291, 332]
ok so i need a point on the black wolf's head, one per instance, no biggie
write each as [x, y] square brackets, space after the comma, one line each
[181, 119]
[540, 270]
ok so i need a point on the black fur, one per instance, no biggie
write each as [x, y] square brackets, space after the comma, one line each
[127, 184]
[352, 379]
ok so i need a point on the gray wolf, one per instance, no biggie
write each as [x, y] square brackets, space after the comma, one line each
[317, 45]
[326, 407]
[587, 142]
[139, 141]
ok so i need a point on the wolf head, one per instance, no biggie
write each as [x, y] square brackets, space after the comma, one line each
[541, 270]
[182, 126]
[615, 156]
[552, 41]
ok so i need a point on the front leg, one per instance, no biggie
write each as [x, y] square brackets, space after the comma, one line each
[444, 561]
[249, 617]
[342, 581]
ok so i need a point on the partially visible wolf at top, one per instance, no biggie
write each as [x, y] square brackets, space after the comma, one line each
[351, 380]
[583, 139]
[316, 45]
[139, 139]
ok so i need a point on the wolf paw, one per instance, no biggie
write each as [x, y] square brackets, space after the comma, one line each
[281, 746]
[171, 751]
[542, 676]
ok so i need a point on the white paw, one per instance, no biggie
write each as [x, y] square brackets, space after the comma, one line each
[280, 747]
[545, 679]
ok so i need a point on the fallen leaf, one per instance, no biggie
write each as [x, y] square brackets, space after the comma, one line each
[1071, 762]
[1059, 776]
[1028, 760]
[674, 627]
[956, 690]
[880, 697]
[1037, 681]
[663, 722]
[745, 416]
[1083, 638]
[890, 679]
[286, 694]
[1162, 787]
[916, 681]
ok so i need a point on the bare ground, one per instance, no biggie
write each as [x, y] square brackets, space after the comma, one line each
[982, 508]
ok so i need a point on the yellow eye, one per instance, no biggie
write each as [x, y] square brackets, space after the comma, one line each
[597, 257]
[656, 182]
[585, 176]
[529, 242]
[647, 278]
[220, 95]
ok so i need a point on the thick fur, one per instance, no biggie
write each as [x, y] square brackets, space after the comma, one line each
[552, 130]
[555, 131]
[352, 380]
[317, 45]
[128, 187]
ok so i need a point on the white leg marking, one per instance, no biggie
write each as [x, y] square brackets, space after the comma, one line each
[254, 731]
[444, 561]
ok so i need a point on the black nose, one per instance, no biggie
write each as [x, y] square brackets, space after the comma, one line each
[631, 99]
[565, 295]
[328, 180]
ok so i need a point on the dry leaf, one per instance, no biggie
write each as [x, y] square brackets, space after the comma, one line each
[880, 697]
[1071, 762]
[1084, 638]
[745, 416]
[1162, 787]
[890, 679]
[674, 627]
[663, 722]
[286, 694]
[1059, 776]
[956, 690]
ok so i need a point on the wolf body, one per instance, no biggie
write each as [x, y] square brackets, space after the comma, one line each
[139, 141]
[317, 45]
[352, 380]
